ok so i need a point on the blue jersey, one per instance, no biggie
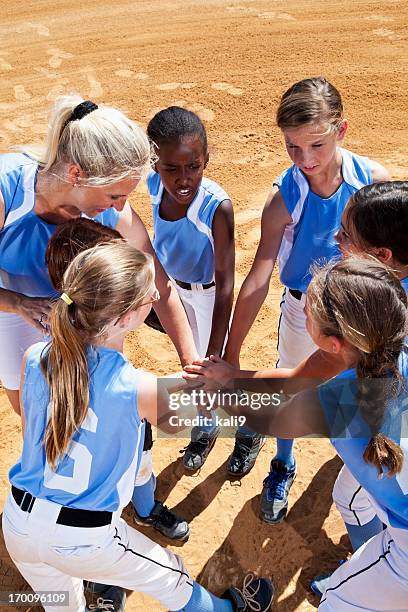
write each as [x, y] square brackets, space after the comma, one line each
[350, 435]
[315, 220]
[98, 471]
[185, 247]
[24, 237]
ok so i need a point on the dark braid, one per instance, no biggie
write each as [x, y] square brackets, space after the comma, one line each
[173, 123]
[379, 214]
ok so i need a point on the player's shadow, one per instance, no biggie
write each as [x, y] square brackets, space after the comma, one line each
[199, 498]
[295, 550]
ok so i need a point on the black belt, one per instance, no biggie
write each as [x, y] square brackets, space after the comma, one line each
[184, 285]
[296, 293]
[71, 517]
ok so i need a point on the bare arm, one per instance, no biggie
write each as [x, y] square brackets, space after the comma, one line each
[169, 308]
[302, 415]
[224, 254]
[379, 173]
[254, 290]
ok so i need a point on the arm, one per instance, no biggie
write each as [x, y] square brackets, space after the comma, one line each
[224, 256]
[379, 173]
[254, 290]
[311, 372]
[31, 309]
[154, 402]
[169, 308]
[302, 415]
[22, 378]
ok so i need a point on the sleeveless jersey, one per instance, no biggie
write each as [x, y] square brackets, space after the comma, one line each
[24, 237]
[350, 434]
[98, 471]
[310, 236]
[185, 247]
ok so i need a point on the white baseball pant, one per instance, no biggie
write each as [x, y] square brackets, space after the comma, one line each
[56, 557]
[294, 343]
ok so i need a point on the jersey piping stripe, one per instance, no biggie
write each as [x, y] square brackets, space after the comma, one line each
[29, 197]
[365, 569]
[351, 503]
[117, 537]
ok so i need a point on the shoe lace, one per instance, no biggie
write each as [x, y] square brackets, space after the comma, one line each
[104, 605]
[276, 482]
[241, 451]
[249, 594]
[196, 447]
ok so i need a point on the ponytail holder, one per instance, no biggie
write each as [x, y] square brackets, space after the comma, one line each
[65, 298]
[81, 110]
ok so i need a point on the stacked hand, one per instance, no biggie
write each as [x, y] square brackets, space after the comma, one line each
[35, 311]
[216, 372]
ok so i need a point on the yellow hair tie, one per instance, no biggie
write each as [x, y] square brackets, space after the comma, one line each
[65, 297]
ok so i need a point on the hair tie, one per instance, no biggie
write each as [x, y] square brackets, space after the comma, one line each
[65, 298]
[81, 110]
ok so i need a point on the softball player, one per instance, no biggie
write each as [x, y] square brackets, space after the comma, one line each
[61, 521]
[364, 411]
[93, 159]
[301, 215]
[193, 239]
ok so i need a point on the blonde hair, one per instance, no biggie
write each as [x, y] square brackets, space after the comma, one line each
[104, 283]
[362, 301]
[105, 144]
[313, 100]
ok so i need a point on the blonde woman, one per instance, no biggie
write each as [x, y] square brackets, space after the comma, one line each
[93, 159]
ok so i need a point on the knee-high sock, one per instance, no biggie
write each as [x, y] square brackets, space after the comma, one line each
[202, 600]
[360, 534]
[284, 451]
[143, 497]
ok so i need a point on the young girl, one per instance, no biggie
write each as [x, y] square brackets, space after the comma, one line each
[358, 308]
[83, 406]
[93, 159]
[70, 239]
[193, 239]
[299, 220]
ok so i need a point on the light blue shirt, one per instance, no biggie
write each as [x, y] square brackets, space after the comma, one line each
[185, 247]
[99, 469]
[24, 237]
[309, 238]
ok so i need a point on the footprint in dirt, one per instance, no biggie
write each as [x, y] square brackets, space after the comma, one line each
[276, 15]
[380, 18]
[171, 86]
[5, 65]
[57, 55]
[385, 33]
[21, 94]
[28, 25]
[229, 89]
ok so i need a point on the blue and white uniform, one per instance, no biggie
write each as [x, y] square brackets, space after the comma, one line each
[23, 241]
[185, 248]
[96, 474]
[307, 240]
[376, 577]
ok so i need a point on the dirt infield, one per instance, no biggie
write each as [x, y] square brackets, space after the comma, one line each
[229, 61]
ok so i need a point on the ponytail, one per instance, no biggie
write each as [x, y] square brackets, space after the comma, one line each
[66, 371]
[100, 286]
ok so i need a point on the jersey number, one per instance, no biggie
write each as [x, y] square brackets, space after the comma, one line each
[82, 460]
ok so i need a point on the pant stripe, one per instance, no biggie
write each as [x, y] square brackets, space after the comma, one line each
[365, 569]
[117, 537]
[279, 323]
[351, 503]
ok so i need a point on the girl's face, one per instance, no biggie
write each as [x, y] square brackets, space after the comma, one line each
[312, 148]
[181, 165]
[346, 235]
